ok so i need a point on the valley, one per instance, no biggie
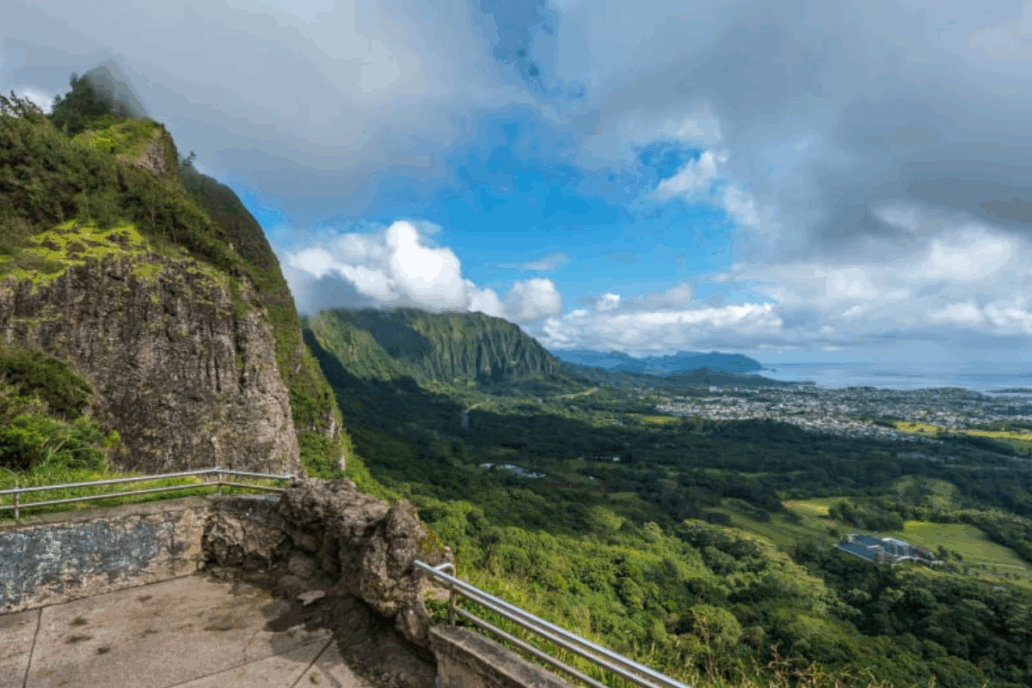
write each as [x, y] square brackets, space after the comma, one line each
[588, 508]
[688, 520]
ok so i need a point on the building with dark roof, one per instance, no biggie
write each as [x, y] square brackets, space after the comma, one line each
[885, 550]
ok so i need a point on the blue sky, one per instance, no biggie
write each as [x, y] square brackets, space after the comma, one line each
[788, 180]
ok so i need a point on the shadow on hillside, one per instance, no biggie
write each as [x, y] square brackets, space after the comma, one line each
[378, 403]
[398, 339]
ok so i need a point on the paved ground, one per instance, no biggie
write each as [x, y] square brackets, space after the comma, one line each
[191, 632]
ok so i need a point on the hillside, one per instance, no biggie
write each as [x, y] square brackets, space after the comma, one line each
[450, 348]
[689, 544]
[158, 289]
[681, 362]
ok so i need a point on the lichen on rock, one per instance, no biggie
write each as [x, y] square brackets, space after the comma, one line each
[186, 376]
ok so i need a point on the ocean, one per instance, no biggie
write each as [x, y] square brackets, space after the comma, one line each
[979, 377]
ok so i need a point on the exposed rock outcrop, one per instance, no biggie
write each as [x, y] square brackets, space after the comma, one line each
[184, 369]
[328, 536]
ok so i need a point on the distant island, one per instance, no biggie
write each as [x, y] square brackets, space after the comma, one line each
[681, 362]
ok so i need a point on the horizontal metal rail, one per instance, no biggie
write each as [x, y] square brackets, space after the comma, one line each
[218, 472]
[609, 660]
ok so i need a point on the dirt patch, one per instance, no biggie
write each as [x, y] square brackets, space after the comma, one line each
[78, 621]
[72, 640]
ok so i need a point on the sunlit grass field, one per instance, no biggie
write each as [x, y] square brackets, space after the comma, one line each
[967, 540]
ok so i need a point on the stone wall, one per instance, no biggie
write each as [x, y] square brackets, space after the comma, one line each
[65, 556]
[315, 540]
[313, 537]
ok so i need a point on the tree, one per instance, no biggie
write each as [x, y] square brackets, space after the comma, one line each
[80, 107]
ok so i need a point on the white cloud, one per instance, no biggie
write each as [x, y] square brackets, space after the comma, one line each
[485, 301]
[965, 256]
[1009, 40]
[963, 276]
[546, 263]
[395, 266]
[695, 177]
[961, 313]
[656, 330]
[44, 100]
[531, 300]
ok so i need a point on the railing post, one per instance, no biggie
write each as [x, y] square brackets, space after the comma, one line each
[219, 474]
[451, 606]
[16, 495]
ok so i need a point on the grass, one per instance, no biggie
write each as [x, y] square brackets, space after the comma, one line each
[128, 138]
[1020, 440]
[655, 420]
[778, 529]
[980, 554]
[916, 428]
[967, 540]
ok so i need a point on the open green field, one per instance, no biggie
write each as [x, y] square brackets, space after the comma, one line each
[778, 529]
[916, 428]
[654, 419]
[1020, 440]
[817, 506]
[969, 541]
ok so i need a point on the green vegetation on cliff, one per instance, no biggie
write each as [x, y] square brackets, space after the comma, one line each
[450, 348]
[86, 163]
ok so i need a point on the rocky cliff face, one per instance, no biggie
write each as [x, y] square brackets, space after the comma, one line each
[325, 537]
[181, 358]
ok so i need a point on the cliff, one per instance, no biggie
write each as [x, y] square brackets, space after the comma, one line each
[160, 289]
[182, 368]
[447, 347]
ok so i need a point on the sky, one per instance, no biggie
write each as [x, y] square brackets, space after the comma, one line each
[792, 181]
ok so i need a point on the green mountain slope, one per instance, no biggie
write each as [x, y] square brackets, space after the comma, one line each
[88, 169]
[451, 348]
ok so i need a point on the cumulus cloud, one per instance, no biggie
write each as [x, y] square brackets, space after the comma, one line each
[657, 330]
[531, 300]
[396, 266]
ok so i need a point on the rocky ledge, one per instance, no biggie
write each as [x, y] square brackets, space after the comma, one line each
[327, 538]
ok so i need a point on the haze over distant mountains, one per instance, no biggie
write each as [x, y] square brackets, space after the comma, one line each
[681, 362]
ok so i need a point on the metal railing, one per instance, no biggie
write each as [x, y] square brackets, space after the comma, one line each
[627, 669]
[218, 472]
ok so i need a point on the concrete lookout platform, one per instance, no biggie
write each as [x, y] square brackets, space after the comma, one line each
[314, 588]
[190, 631]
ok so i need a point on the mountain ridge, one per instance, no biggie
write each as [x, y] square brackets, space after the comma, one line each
[448, 347]
[680, 362]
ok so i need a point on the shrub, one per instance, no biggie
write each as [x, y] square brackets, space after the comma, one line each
[55, 382]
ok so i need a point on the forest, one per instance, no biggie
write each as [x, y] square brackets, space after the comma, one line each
[686, 552]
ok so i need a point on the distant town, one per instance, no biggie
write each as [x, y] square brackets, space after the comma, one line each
[838, 411]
